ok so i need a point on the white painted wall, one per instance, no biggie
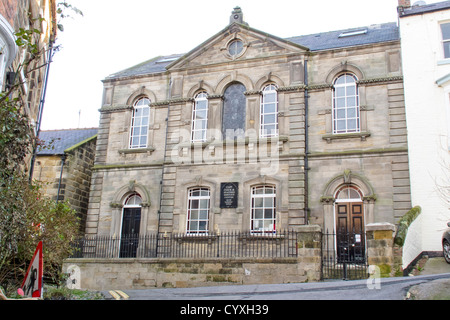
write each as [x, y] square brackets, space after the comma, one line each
[428, 121]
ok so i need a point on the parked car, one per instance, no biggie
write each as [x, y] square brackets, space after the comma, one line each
[446, 243]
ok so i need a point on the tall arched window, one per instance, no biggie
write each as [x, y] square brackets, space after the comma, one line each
[234, 111]
[200, 117]
[198, 211]
[139, 123]
[269, 112]
[346, 116]
[263, 206]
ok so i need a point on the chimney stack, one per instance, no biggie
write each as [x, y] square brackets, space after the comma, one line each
[237, 16]
[404, 3]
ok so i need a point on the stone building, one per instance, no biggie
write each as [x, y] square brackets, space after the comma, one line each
[27, 14]
[64, 166]
[252, 132]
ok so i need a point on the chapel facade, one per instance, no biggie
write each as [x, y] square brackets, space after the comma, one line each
[257, 133]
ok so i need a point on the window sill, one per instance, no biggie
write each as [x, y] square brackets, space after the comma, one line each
[356, 135]
[137, 150]
[239, 141]
[443, 62]
[266, 235]
[196, 237]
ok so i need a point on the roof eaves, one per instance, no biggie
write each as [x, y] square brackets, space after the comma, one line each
[426, 8]
[79, 144]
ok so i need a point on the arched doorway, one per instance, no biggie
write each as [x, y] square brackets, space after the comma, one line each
[349, 210]
[131, 221]
[349, 219]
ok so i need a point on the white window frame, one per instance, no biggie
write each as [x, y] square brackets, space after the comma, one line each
[140, 124]
[263, 224]
[199, 124]
[445, 41]
[341, 106]
[235, 47]
[269, 90]
[347, 197]
[195, 217]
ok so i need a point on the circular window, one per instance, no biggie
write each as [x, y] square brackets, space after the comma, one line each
[235, 47]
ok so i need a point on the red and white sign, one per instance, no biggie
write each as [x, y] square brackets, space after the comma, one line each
[32, 284]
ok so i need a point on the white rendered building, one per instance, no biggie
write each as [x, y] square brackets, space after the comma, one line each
[425, 42]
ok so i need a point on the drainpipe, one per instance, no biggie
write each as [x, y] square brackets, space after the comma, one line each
[306, 162]
[63, 161]
[41, 106]
[169, 92]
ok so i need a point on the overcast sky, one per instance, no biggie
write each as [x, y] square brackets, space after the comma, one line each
[114, 35]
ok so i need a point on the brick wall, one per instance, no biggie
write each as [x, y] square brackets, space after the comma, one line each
[8, 9]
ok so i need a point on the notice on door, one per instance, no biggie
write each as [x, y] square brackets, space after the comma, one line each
[229, 194]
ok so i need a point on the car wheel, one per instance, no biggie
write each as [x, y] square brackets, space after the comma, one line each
[446, 249]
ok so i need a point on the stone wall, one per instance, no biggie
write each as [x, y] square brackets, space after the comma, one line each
[382, 251]
[77, 177]
[106, 274]
[75, 182]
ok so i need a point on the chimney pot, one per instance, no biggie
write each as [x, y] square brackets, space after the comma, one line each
[404, 3]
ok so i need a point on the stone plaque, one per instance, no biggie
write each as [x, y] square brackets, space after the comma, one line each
[229, 194]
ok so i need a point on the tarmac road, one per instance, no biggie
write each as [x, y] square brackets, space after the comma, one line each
[433, 283]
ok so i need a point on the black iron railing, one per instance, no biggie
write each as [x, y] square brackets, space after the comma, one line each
[228, 244]
[344, 256]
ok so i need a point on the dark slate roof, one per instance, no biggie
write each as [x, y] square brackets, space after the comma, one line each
[63, 139]
[154, 65]
[315, 42]
[425, 8]
[337, 39]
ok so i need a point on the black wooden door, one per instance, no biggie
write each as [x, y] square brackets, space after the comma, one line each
[130, 232]
[350, 232]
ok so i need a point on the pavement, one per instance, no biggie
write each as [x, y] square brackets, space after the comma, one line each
[430, 280]
[434, 290]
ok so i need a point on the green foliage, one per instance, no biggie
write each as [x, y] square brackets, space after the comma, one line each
[63, 293]
[15, 137]
[62, 8]
[26, 215]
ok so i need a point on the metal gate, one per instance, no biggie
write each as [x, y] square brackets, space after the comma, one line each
[344, 256]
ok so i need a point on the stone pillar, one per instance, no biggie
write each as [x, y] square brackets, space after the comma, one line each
[380, 247]
[309, 243]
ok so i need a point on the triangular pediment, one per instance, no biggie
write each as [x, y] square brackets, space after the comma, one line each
[248, 44]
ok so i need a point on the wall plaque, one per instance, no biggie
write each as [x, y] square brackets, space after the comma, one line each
[229, 194]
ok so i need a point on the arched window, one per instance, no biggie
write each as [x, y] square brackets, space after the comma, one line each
[198, 211]
[269, 112]
[348, 194]
[263, 209]
[133, 200]
[234, 111]
[139, 123]
[200, 117]
[346, 116]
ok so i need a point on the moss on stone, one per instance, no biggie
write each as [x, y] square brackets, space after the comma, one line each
[404, 224]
